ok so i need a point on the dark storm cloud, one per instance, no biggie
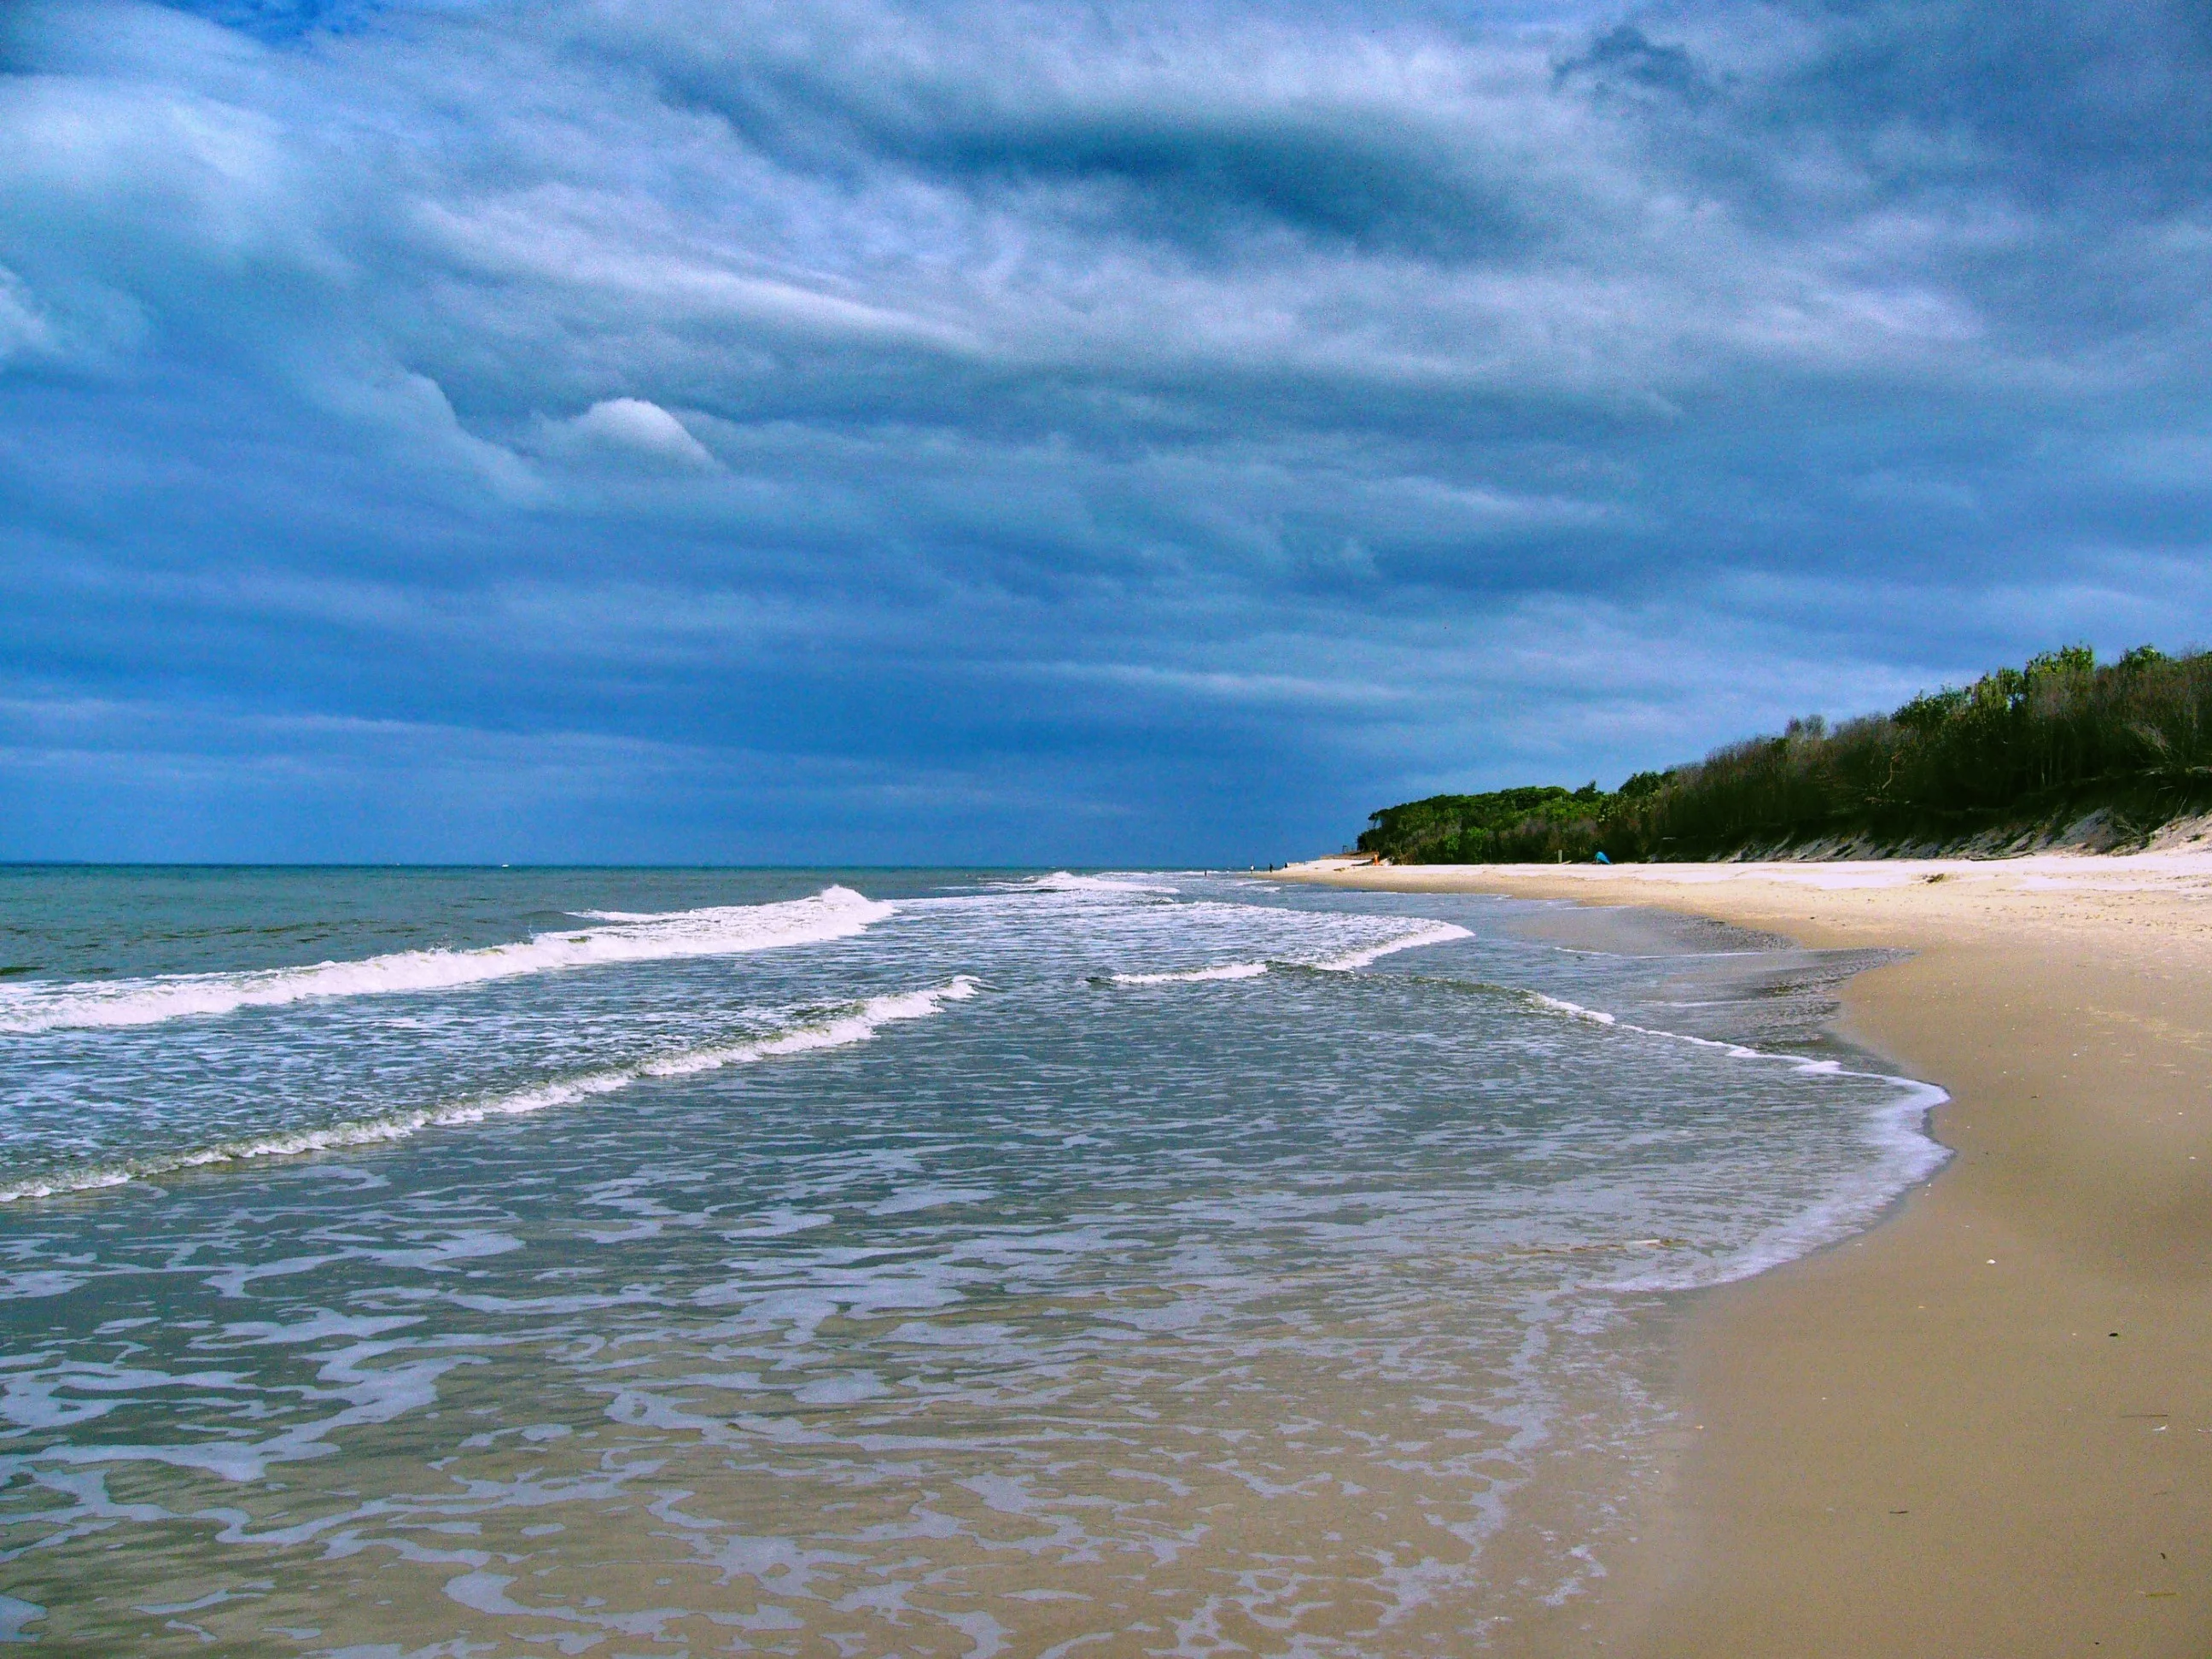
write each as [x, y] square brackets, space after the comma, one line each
[1625, 58]
[1153, 159]
[2059, 101]
[853, 430]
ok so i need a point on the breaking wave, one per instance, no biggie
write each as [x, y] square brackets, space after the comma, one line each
[1433, 932]
[725, 930]
[833, 1029]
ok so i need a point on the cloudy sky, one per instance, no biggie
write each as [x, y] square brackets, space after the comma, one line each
[773, 430]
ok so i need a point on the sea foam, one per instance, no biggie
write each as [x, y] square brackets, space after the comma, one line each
[829, 1029]
[1060, 881]
[724, 930]
[1433, 932]
[1906, 1154]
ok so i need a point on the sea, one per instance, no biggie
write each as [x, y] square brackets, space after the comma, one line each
[854, 1262]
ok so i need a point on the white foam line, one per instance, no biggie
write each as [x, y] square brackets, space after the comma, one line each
[1797, 1063]
[1432, 934]
[1912, 1156]
[1435, 932]
[1225, 970]
[1900, 1128]
[858, 1024]
[725, 930]
[1060, 881]
[1572, 1010]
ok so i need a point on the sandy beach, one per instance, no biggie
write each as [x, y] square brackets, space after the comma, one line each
[1985, 1427]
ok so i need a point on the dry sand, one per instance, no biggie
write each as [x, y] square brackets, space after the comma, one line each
[1985, 1428]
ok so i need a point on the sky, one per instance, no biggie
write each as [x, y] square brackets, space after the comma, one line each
[835, 431]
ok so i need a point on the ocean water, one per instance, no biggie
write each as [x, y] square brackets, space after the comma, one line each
[512, 1262]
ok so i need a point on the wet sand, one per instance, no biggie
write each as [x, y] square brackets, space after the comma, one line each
[1984, 1428]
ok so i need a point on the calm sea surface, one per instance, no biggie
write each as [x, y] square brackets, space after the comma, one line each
[849, 1263]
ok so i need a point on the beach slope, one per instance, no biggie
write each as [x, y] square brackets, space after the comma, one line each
[1984, 1428]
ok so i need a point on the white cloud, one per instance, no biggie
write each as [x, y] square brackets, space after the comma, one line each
[25, 330]
[630, 427]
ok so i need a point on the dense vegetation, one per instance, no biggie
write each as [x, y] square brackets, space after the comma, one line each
[2019, 754]
[1506, 826]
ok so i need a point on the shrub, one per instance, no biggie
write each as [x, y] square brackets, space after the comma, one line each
[2060, 734]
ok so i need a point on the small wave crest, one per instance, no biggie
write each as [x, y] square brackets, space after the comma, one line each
[1572, 1010]
[831, 1029]
[1435, 932]
[723, 930]
[1225, 971]
[1060, 881]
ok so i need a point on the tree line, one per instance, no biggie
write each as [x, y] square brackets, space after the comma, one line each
[2021, 750]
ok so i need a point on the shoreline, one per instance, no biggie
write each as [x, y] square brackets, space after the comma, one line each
[1925, 1439]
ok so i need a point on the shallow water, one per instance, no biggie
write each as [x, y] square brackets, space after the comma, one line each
[864, 1263]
